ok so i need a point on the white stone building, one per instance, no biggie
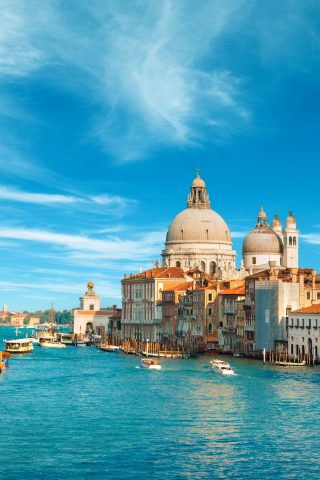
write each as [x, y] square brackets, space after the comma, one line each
[303, 332]
[264, 244]
[90, 317]
[199, 237]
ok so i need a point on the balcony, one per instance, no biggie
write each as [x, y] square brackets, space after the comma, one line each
[232, 311]
[229, 330]
[246, 308]
[157, 321]
[249, 328]
[179, 333]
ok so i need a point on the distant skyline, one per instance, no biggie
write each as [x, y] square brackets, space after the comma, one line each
[108, 108]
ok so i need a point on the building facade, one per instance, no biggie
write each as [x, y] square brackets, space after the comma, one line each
[303, 333]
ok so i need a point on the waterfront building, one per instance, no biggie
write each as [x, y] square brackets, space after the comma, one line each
[89, 317]
[303, 332]
[229, 300]
[241, 332]
[18, 319]
[34, 321]
[264, 244]
[114, 329]
[141, 296]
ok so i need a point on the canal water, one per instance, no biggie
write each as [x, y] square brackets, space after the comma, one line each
[78, 413]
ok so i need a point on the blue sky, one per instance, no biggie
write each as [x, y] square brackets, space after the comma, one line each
[108, 107]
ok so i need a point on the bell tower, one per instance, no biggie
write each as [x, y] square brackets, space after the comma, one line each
[290, 242]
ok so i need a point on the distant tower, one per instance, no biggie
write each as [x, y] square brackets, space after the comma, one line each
[90, 301]
[5, 308]
[290, 242]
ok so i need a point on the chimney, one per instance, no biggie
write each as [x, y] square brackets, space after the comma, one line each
[169, 275]
[194, 284]
[151, 273]
[125, 275]
[114, 308]
[294, 272]
[131, 274]
[272, 264]
[313, 273]
[218, 287]
[276, 272]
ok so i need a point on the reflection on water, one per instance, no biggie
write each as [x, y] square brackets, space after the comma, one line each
[80, 413]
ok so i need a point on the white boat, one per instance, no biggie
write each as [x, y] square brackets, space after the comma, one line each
[50, 342]
[152, 364]
[222, 368]
[19, 346]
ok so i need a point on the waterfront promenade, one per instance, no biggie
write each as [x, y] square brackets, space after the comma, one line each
[78, 413]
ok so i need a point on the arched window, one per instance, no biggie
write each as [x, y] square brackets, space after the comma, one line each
[210, 311]
[210, 327]
[318, 296]
[212, 268]
[294, 241]
[207, 234]
[308, 295]
[203, 266]
[178, 264]
[290, 240]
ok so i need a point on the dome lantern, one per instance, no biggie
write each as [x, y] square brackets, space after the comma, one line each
[198, 197]
[290, 219]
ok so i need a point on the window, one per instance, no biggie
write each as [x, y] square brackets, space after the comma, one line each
[297, 322]
[207, 234]
[291, 349]
[210, 297]
[294, 241]
[212, 268]
[302, 323]
[91, 307]
[254, 260]
[302, 349]
[181, 234]
[290, 240]
[308, 295]
[178, 264]
[251, 287]
[210, 327]
[210, 311]
[318, 296]
[316, 323]
[221, 324]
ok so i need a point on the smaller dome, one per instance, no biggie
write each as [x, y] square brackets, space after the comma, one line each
[90, 285]
[262, 214]
[276, 222]
[198, 182]
[262, 240]
[291, 218]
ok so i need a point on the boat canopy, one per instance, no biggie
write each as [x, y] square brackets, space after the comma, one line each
[22, 340]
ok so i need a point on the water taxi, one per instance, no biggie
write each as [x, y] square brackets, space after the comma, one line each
[150, 364]
[24, 345]
[66, 338]
[221, 367]
[50, 342]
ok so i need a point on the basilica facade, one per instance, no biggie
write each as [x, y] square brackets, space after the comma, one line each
[199, 238]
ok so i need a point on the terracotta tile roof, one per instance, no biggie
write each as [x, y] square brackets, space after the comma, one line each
[235, 291]
[311, 309]
[183, 287]
[163, 272]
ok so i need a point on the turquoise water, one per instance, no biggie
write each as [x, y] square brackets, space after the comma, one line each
[78, 413]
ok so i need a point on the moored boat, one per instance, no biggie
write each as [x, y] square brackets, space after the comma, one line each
[111, 349]
[152, 364]
[23, 345]
[50, 342]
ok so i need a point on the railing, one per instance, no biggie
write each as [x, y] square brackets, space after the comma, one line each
[249, 328]
[179, 333]
[230, 310]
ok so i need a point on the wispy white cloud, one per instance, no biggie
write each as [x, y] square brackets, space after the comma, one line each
[311, 238]
[103, 204]
[143, 246]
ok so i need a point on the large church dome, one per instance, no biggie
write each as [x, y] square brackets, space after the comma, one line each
[198, 225]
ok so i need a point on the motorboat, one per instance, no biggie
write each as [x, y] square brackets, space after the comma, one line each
[50, 342]
[23, 345]
[152, 364]
[66, 338]
[222, 368]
